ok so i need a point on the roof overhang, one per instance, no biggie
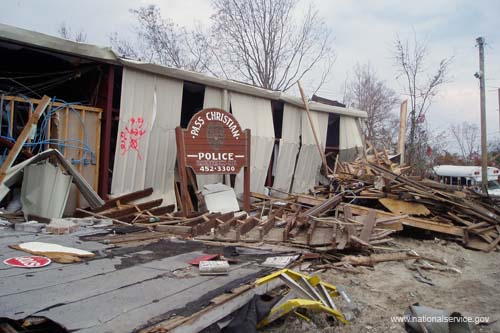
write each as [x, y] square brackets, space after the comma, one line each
[45, 42]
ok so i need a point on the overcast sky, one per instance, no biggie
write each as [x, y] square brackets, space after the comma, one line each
[364, 32]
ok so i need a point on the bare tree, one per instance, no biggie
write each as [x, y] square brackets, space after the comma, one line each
[259, 42]
[65, 32]
[266, 45]
[421, 89]
[161, 41]
[368, 93]
[466, 136]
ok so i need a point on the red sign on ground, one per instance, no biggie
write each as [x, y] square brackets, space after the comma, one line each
[214, 143]
[27, 262]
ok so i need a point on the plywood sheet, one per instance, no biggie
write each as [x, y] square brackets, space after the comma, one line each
[404, 207]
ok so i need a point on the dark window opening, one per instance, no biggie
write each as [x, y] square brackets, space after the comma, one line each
[332, 139]
[277, 109]
[332, 136]
[193, 95]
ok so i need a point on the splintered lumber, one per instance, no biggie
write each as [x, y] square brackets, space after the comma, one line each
[195, 220]
[368, 226]
[414, 222]
[123, 199]
[128, 210]
[244, 228]
[224, 228]
[269, 224]
[322, 207]
[404, 207]
[146, 215]
[310, 231]
[373, 259]
[174, 229]
[308, 200]
[205, 227]
[87, 213]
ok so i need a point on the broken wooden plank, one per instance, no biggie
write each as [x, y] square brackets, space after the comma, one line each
[122, 199]
[269, 224]
[322, 208]
[130, 210]
[415, 222]
[369, 224]
[175, 229]
[226, 226]
[87, 213]
[244, 228]
[204, 228]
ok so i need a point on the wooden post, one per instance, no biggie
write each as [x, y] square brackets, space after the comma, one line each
[182, 170]
[246, 173]
[21, 139]
[402, 131]
[321, 153]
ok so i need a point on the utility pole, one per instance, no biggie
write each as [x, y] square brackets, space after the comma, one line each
[499, 109]
[484, 152]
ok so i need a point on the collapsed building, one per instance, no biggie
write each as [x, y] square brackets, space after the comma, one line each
[132, 261]
[116, 117]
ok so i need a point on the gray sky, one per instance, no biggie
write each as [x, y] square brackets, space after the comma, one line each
[364, 32]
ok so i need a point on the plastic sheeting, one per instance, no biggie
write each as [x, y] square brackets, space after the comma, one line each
[288, 148]
[349, 138]
[214, 98]
[309, 161]
[146, 149]
[255, 114]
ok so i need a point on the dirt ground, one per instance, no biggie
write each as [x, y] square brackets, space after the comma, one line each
[387, 289]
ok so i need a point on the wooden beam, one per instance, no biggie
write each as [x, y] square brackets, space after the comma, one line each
[313, 129]
[124, 199]
[415, 222]
[248, 225]
[369, 224]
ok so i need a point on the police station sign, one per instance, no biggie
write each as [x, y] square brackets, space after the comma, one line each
[214, 143]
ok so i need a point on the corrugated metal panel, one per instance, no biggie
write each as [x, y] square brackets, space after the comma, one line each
[61, 45]
[255, 114]
[239, 87]
[288, 147]
[45, 190]
[214, 98]
[309, 161]
[146, 149]
[350, 141]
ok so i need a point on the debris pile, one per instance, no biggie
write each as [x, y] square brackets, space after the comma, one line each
[424, 204]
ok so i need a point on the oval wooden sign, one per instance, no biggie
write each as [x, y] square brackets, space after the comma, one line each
[215, 143]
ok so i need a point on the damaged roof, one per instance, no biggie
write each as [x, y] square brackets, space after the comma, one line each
[46, 42]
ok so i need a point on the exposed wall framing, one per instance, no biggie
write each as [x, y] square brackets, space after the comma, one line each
[74, 130]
